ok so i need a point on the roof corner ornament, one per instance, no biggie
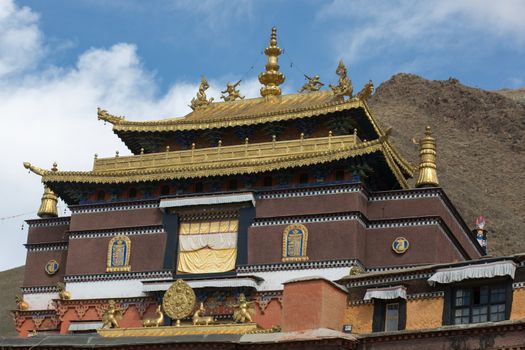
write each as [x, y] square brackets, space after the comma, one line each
[106, 117]
[366, 91]
[313, 84]
[344, 85]
[35, 169]
[272, 78]
[233, 94]
[201, 100]
[427, 160]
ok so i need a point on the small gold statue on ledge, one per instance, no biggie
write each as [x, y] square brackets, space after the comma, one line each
[366, 91]
[344, 86]
[62, 292]
[155, 322]
[243, 310]
[201, 320]
[21, 304]
[233, 94]
[111, 316]
[201, 100]
[313, 84]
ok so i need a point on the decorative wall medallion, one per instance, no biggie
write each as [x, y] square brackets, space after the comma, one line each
[400, 245]
[52, 267]
[179, 300]
[119, 251]
[295, 240]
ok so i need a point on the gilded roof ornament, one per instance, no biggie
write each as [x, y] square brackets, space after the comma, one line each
[48, 205]
[272, 78]
[366, 91]
[427, 160]
[105, 116]
[233, 94]
[201, 100]
[313, 84]
[344, 86]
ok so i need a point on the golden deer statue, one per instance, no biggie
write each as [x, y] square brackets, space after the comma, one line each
[155, 322]
[203, 320]
[62, 292]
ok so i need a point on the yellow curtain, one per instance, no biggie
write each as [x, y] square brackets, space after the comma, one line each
[207, 260]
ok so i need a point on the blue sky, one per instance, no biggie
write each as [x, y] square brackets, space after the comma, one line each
[61, 59]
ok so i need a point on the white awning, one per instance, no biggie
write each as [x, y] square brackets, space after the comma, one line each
[84, 326]
[386, 293]
[219, 283]
[487, 270]
[207, 200]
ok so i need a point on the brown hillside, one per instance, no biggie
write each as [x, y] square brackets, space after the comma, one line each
[481, 154]
[10, 280]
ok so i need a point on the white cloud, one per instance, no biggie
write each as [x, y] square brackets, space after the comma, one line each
[380, 25]
[50, 115]
[20, 39]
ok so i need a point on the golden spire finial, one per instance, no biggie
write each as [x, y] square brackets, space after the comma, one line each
[48, 205]
[427, 161]
[272, 78]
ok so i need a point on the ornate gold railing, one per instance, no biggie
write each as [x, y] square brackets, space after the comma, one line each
[220, 153]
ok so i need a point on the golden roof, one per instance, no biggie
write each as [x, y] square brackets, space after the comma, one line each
[243, 112]
[229, 160]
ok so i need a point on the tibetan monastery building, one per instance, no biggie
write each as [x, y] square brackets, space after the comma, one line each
[269, 221]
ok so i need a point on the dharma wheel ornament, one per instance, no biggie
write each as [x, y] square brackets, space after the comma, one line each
[179, 301]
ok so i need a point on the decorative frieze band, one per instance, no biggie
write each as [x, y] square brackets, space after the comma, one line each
[100, 208]
[304, 219]
[39, 289]
[518, 285]
[118, 276]
[401, 195]
[376, 224]
[46, 247]
[299, 265]
[111, 233]
[388, 280]
[63, 221]
[307, 192]
[428, 295]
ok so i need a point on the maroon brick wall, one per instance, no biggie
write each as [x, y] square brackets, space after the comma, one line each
[116, 219]
[46, 234]
[89, 255]
[34, 273]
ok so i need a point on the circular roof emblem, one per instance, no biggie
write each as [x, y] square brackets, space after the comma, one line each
[400, 245]
[52, 267]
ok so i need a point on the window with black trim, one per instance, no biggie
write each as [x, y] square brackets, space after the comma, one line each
[479, 304]
[389, 315]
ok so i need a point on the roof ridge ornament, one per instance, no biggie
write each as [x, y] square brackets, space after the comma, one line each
[233, 94]
[272, 78]
[313, 84]
[201, 100]
[106, 117]
[344, 85]
[366, 91]
[427, 160]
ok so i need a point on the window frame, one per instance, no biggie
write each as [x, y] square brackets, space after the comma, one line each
[379, 317]
[450, 307]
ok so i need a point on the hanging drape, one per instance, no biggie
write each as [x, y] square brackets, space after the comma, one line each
[207, 246]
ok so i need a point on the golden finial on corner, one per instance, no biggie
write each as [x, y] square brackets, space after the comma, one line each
[427, 160]
[366, 91]
[48, 204]
[272, 78]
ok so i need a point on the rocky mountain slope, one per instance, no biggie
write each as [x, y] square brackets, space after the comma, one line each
[481, 156]
[10, 280]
